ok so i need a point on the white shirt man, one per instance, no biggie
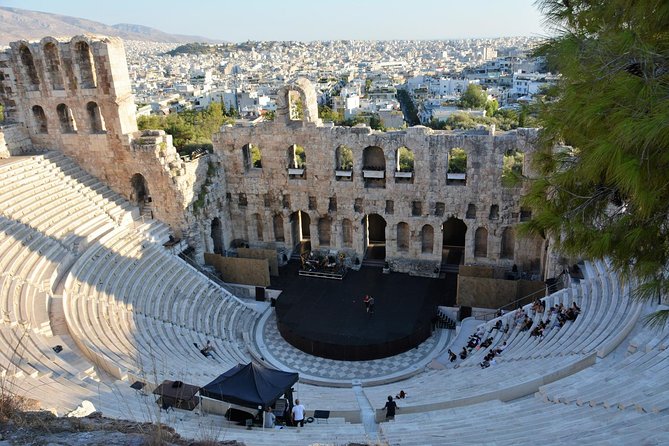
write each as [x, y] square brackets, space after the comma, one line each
[298, 414]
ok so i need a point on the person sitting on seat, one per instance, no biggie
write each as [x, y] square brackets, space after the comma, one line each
[463, 353]
[451, 356]
[208, 349]
[401, 395]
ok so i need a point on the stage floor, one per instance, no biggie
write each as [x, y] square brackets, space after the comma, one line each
[328, 318]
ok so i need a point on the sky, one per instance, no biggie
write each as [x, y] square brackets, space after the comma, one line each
[304, 20]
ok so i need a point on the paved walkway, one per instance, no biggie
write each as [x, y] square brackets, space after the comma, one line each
[280, 354]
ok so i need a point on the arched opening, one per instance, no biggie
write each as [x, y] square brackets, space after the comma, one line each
[257, 222]
[66, 119]
[453, 244]
[40, 120]
[140, 190]
[494, 212]
[374, 167]
[295, 105]
[84, 60]
[277, 222]
[481, 242]
[403, 236]
[344, 163]
[53, 66]
[324, 231]
[374, 230]
[95, 119]
[347, 233]
[508, 243]
[512, 168]
[297, 161]
[427, 239]
[252, 157]
[217, 235]
[300, 230]
[31, 79]
[457, 167]
[471, 211]
[404, 165]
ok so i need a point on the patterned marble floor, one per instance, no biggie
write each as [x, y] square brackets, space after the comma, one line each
[283, 355]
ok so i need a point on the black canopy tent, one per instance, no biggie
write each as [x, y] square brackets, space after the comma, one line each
[250, 385]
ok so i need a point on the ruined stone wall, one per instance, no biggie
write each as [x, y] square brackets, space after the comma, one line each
[75, 96]
[14, 140]
[256, 195]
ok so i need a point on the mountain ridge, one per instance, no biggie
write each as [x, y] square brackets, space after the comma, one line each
[24, 24]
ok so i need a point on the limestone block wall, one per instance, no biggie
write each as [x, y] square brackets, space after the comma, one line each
[14, 140]
[256, 197]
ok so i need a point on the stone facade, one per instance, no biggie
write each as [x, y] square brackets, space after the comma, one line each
[74, 96]
[415, 205]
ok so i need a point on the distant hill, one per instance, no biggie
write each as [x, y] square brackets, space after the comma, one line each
[17, 24]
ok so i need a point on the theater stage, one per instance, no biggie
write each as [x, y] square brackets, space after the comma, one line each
[327, 318]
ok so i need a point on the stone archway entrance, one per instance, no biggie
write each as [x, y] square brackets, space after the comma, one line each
[453, 244]
[217, 235]
[300, 231]
[140, 195]
[374, 230]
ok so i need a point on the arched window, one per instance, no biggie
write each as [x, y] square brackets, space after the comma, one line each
[277, 221]
[140, 189]
[347, 232]
[494, 212]
[31, 80]
[66, 119]
[471, 211]
[344, 163]
[252, 157]
[297, 161]
[374, 167]
[404, 165]
[84, 60]
[481, 242]
[512, 168]
[427, 239]
[217, 235]
[457, 167]
[95, 119]
[403, 236]
[53, 66]
[508, 243]
[40, 120]
[259, 227]
[324, 231]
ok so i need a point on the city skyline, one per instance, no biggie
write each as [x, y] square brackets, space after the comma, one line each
[309, 21]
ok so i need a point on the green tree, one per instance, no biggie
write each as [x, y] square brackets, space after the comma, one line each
[457, 161]
[474, 97]
[327, 114]
[491, 107]
[2, 113]
[406, 159]
[603, 192]
[376, 123]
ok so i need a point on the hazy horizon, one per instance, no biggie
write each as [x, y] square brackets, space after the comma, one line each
[299, 20]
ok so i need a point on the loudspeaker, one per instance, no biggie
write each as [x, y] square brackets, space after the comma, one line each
[260, 294]
[465, 312]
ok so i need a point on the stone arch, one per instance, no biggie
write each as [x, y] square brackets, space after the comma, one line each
[344, 158]
[277, 223]
[494, 212]
[508, 243]
[84, 60]
[53, 65]
[140, 189]
[95, 119]
[374, 166]
[347, 233]
[300, 223]
[374, 232]
[404, 165]
[31, 78]
[324, 231]
[454, 233]
[403, 236]
[39, 119]
[66, 119]
[258, 224]
[300, 92]
[252, 157]
[217, 235]
[481, 242]
[427, 239]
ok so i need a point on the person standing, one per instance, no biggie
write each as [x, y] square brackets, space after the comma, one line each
[366, 302]
[391, 407]
[298, 414]
[270, 418]
[370, 308]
